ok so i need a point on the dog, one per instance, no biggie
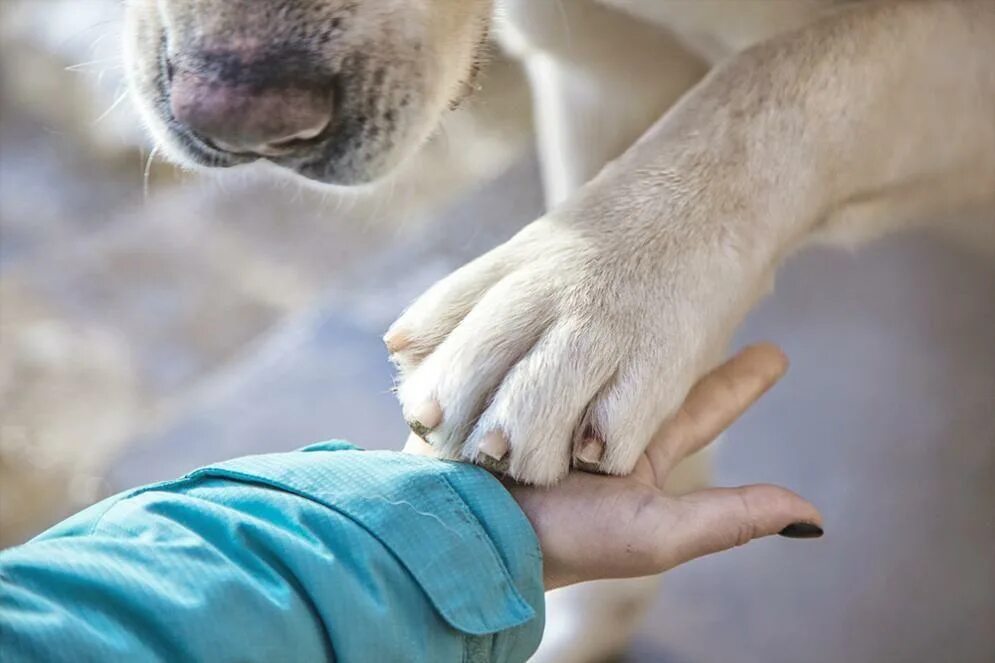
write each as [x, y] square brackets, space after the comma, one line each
[687, 148]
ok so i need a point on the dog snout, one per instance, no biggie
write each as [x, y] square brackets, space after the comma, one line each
[263, 107]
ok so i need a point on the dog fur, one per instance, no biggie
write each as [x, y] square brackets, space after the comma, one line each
[687, 149]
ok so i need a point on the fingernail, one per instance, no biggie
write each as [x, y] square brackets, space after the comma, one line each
[591, 451]
[425, 418]
[494, 445]
[396, 340]
[801, 531]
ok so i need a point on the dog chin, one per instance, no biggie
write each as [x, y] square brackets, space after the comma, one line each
[196, 155]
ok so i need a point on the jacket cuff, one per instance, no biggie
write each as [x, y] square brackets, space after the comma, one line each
[454, 527]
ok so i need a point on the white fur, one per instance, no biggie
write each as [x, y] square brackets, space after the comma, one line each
[794, 121]
[604, 312]
[833, 125]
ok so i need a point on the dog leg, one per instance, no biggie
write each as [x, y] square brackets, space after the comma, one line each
[599, 79]
[597, 319]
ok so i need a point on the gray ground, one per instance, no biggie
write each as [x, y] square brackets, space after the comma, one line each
[143, 338]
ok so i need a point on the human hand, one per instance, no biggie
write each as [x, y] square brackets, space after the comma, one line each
[595, 526]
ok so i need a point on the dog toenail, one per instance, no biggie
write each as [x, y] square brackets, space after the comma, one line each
[591, 450]
[396, 340]
[494, 445]
[425, 418]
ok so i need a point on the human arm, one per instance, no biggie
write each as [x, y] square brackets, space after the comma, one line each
[331, 553]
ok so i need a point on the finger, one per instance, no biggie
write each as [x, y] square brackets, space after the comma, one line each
[717, 519]
[717, 400]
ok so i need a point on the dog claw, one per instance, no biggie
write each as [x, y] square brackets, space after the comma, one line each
[425, 418]
[588, 455]
[494, 446]
[396, 340]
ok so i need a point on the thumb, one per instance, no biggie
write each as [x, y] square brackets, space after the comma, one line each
[709, 521]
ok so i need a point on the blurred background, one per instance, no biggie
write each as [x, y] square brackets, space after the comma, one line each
[153, 320]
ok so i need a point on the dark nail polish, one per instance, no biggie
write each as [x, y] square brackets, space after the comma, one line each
[801, 531]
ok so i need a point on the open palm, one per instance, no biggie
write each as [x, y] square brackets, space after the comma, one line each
[594, 526]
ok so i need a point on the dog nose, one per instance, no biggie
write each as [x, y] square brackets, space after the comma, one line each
[249, 117]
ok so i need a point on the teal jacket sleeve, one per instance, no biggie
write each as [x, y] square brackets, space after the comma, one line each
[328, 553]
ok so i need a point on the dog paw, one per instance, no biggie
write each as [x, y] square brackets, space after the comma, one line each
[565, 347]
